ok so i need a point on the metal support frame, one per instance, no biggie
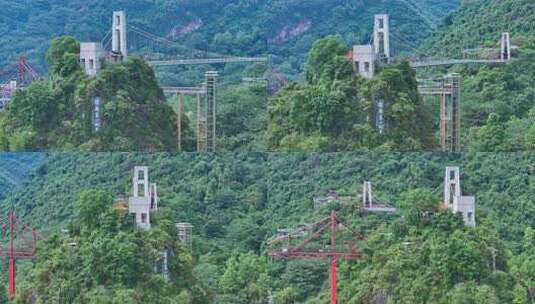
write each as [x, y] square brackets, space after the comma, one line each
[211, 110]
[201, 125]
[22, 242]
[179, 120]
[197, 92]
[453, 136]
[380, 116]
[449, 92]
[185, 232]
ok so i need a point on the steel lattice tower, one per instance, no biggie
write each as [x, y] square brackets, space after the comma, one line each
[211, 110]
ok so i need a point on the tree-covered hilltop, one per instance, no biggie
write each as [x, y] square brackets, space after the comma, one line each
[334, 109]
[420, 255]
[56, 114]
[236, 202]
[284, 28]
[104, 259]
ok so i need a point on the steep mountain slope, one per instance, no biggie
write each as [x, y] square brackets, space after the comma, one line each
[204, 183]
[284, 28]
[15, 168]
[481, 22]
[236, 202]
[242, 182]
[497, 103]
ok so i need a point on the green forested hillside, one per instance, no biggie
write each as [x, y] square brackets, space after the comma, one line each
[321, 113]
[481, 23]
[497, 102]
[15, 168]
[285, 29]
[236, 202]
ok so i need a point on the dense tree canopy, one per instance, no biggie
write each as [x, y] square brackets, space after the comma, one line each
[104, 259]
[57, 113]
[236, 202]
[335, 110]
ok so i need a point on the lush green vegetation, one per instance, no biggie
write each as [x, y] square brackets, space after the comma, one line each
[285, 29]
[57, 113]
[335, 109]
[15, 167]
[236, 202]
[481, 23]
[105, 259]
[497, 101]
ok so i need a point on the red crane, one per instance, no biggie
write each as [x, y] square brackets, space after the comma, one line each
[311, 232]
[22, 240]
[26, 74]
[15, 77]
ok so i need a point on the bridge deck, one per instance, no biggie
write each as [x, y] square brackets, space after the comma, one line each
[206, 61]
[422, 64]
[184, 90]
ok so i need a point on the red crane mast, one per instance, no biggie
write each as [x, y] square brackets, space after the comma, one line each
[311, 232]
[22, 240]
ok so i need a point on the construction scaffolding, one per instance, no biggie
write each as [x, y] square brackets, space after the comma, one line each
[206, 111]
[211, 109]
[185, 232]
[197, 92]
[448, 90]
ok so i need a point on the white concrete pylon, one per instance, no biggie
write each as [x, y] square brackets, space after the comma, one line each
[455, 201]
[381, 37]
[367, 198]
[119, 45]
[141, 178]
[505, 53]
[139, 203]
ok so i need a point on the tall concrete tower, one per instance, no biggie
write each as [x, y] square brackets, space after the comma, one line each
[505, 53]
[144, 199]
[455, 201]
[381, 37]
[367, 198]
[119, 47]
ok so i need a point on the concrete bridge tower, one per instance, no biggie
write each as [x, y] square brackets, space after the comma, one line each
[119, 47]
[455, 201]
[144, 199]
[505, 53]
[381, 37]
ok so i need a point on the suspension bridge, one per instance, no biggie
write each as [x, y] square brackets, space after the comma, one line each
[157, 51]
[160, 51]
